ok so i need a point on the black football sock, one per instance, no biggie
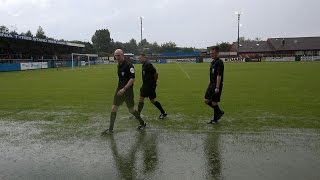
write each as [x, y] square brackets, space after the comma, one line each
[158, 105]
[217, 110]
[140, 106]
[210, 104]
[136, 114]
[112, 120]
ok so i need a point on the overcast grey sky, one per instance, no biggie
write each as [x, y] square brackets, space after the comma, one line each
[195, 23]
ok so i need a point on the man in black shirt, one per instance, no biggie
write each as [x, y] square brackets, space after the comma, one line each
[124, 92]
[214, 90]
[148, 89]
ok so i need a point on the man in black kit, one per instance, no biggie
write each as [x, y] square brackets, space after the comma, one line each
[124, 92]
[214, 90]
[148, 89]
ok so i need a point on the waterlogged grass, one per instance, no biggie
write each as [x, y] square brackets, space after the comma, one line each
[256, 97]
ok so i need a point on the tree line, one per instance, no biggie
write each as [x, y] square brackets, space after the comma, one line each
[103, 45]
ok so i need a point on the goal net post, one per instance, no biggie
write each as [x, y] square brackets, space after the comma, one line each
[81, 59]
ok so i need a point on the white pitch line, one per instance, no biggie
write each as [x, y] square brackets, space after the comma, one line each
[184, 71]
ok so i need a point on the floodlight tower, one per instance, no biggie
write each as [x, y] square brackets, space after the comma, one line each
[238, 13]
[141, 28]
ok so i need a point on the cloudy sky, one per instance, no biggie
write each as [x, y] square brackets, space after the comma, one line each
[195, 23]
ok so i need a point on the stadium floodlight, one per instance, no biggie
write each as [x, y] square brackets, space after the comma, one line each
[238, 13]
[141, 28]
[77, 54]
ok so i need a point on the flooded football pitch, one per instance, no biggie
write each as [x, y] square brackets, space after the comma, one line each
[159, 154]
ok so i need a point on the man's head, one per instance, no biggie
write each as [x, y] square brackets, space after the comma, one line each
[119, 56]
[142, 58]
[214, 52]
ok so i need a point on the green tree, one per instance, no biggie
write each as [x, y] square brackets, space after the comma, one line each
[88, 47]
[40, 33]
[169, 47]
[101, 41]
[134, 46]
[131, 46]
[143, 43]
[117, 45]
[224, 46]
[14, 33]
[4, 29]
[243, 39]
[153, 48]
[28, 33]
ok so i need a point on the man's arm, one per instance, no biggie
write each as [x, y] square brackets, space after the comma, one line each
[218, 84]
[154, 71]
[217, 89]
[156, 76]
[128, 85]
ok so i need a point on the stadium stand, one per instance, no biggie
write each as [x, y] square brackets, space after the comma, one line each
[16, 49]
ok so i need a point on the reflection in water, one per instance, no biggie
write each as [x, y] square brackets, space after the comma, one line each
[126, 163]
[212, 152]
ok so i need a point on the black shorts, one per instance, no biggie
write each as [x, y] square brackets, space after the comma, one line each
[148, 92]
[127, 97]
[211, 95]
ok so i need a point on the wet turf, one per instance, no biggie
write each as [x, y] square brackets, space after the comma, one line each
[256, 96]
[50, 124]
[158, 154]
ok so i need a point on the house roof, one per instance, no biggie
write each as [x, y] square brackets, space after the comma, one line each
[278, 44]
[295, 44]
[252, 46]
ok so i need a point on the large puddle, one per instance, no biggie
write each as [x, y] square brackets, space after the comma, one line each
[157, 154]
